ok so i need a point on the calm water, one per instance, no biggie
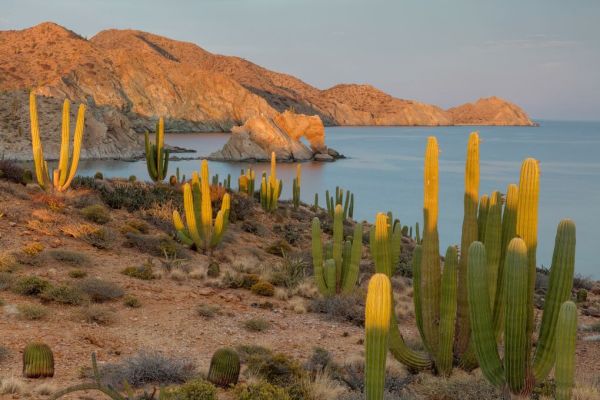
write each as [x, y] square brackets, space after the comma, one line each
[385, 168]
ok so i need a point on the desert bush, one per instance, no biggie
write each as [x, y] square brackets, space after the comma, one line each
[32, 311]
[581, 295]
[277, 369]
[12, 385]
[320, 360]
[13, 172]
[77, 273]
[196, 389]
[95, 314]
[99, 290]
[257, 324]
[148, 368]
[260, 391]
[289, 233]
[96, 213]
[349, 308]
[353, 374]
[4, 353]
[33, 249]
[279, 248]
[583, 282]
[289, 273]
[6, 280]
[207, 310]
[263, 288]
[214, 270]
[74, 258]
[144, 271]
[132, 301]
[156, 245]
[319, 387]
[459, 386]
[30, 285]
[97, 236]
[248, 352]
[8, 262]
[135, 226]
[64, 294]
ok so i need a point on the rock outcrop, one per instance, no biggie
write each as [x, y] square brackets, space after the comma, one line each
[261, 135]
[489, 111]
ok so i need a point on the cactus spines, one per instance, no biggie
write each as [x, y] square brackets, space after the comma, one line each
[63, 176]
[448, 307]
[566, 334]
[157, 157]
[38, 361]
[201, 231]
[559, 291]
[469, 235]
[483, 338]
[430, 260]
[270, 187]
[527, 220]
[296, 187]
[224, 368]
[484, 203]
[378, 313]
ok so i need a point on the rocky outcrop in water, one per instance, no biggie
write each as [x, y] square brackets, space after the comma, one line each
[261, 135]
[489, 111]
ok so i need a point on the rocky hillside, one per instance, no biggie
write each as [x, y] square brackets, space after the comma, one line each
[137, 76]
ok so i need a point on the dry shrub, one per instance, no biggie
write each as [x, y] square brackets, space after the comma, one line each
[96, 213]
[459, 386]
[74, 258]
[97, 236]
[95, 314]
[32, 311]
[53, 201]
[99, 290]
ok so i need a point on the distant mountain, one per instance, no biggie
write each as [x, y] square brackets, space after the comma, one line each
[143, 76]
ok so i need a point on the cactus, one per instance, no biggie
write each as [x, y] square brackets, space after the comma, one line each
[38, 361]
[336, 272]
[517, 371]
[378, 313]
[296, 188]
[386, 243]
[201, 232]
[157, 157]
[224, 368]
[270, 188]
[346, 199]
[581, 295]
[246, 182]
[566, 335]
[484, 203]
[61, 177]
[493, 241]
[316, 203]
[417, 234]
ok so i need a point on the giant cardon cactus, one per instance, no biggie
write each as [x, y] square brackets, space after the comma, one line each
[201, 231]
[336, 267]
[270, 187]
[246, 182]
[296, 187]
[61, 177]
[520, 369]
[157, 157]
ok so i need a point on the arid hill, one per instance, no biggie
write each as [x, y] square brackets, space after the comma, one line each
[141, 76]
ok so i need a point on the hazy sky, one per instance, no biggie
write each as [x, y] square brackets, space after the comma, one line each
[542, 54]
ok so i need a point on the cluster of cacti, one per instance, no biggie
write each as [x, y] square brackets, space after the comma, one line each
[246, 182]
[157, 157]
[521, 368]
[336, 265]
[224, 368]
[176, 179]
[270, 187]
[348, 202]
[226, 182]
[296, 188]
[38, 361]
[61, 177]
[201, 232]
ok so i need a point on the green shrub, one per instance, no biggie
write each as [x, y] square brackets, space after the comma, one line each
[581, 295]
[99, 290]
[32, 311]
[6, 280]
[156, 245]
[257, 325]
[77, 273]
[63, 294]
[279, 248]
[260, 391]
[135, 226]
[70, 257]
[196, 389]
[96, 213]
[98, 175]
[132, 301]
[30, 286]
[207, 310]
[277, 369]
[144, 271]
[263, 288]
[213, 270]
[289, 273]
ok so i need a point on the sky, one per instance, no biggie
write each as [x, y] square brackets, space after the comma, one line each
[543, 55]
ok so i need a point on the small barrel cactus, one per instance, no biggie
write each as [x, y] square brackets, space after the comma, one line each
[582, 295]
[224, 368]
[38, 361]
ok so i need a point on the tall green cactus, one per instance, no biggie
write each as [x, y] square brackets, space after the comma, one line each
[566, 336]
[201, 232]
[270, 187]
[38, 361]
[61, 177]
[517, 371]
[246, 182]
[386, 243]
[341, 197]
[484, 203]
[157, 157]
[339, 272]
[493, 241]
[378, 313]
[296, 187]
[224, 368]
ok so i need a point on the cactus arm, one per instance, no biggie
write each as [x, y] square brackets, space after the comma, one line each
[430, 261]
[338, 233]
[493, 241]
[527, 219]
[559, 291]
[448, 312]
[413, 359]
[219, 228]
[63, 161]
[346, 250]
[165, 166]
[566, 337]
[182, 234]
[329, 272]
[416, 266]
[515, 330]
[41, 172]
[380, 246]
[190, 217]
[77, 141]
[354, 265]
[378, 312]
[484, 203]
[160, 139]
[483, 337]
[351, 209]
[205, 203]
[317, 255]
[150, 157]
[396, 246]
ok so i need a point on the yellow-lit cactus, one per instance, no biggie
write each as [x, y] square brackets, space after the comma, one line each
[246, 182]
[61, 177]
[270, 187]
[201, 232]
